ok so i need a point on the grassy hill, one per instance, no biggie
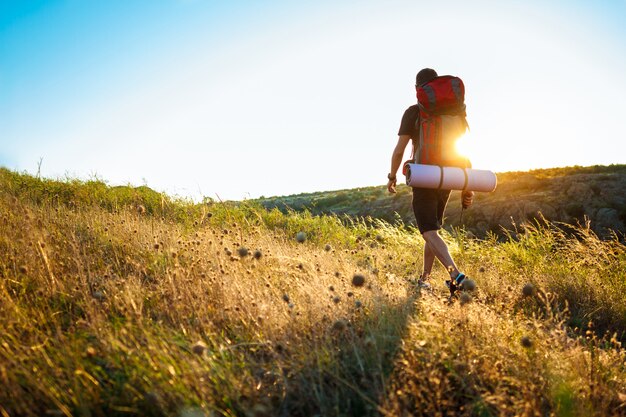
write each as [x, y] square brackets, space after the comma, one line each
[569, 195]
[118, 301]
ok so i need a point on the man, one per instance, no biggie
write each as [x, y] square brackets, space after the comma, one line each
[428, 204]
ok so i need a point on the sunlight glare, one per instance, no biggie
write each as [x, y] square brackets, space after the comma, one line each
[464, 145]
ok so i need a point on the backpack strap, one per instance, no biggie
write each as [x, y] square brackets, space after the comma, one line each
[440, 178]
[415, 140]
[466, 179]
[450, 111]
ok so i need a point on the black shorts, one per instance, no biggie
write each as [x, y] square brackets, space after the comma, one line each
[428, 206]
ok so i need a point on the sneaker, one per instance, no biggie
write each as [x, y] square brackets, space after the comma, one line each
[456, 284]
[423, 283]
[452, 287]
[460, 279]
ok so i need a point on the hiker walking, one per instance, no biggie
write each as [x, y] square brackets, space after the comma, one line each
[433, 125]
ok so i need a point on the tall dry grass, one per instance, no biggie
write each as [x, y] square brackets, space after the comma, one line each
[123, 302]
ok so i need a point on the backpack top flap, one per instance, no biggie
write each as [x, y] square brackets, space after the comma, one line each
[442, 95]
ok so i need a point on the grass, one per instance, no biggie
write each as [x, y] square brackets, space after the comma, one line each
[122, 301]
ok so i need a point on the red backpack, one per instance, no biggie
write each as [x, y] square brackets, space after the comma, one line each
[441, 122]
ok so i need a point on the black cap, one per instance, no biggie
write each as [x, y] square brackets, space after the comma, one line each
[424, 76]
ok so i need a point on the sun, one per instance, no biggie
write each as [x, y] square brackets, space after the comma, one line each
[464, 146]
[481, 153]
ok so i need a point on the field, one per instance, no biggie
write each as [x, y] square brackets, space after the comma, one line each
[119, 301]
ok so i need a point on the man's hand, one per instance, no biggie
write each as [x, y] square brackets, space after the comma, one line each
[396, 160]
[467, 198]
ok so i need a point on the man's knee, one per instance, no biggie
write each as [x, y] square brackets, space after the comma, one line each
[430, 234]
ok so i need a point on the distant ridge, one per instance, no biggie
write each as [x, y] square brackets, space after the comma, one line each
[569, 195]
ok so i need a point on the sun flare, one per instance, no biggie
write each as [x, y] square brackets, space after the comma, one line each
[464, 146]
[481, 152]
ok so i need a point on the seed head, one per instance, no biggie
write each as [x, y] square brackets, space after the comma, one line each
[258, 254]
[469, 285]
[198, 348]
[98, 295]
[340, 325]
[301, 237]
[481, 269]
[528, 290]
[465, 298]
[328, 248]
[336, 299]
[23, 269]
[358, 280]
[358, 304]
[526, 341]
[141, 209]
[242, 251]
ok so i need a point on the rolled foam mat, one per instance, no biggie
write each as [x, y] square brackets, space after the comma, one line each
[450, 178]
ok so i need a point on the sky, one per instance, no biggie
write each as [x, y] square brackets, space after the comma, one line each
[242, 99]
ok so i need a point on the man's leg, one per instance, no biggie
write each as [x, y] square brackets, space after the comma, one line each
[439, 249]
[429, 206]
[429, 259]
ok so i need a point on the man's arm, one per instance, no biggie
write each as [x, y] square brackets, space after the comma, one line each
[396, 160]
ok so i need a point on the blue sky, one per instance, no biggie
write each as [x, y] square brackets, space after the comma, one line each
[241, 99]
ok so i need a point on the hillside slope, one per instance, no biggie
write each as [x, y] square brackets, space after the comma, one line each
[570, 195]
[121, 301]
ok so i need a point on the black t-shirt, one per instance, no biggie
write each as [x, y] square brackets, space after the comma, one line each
[408, 125]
